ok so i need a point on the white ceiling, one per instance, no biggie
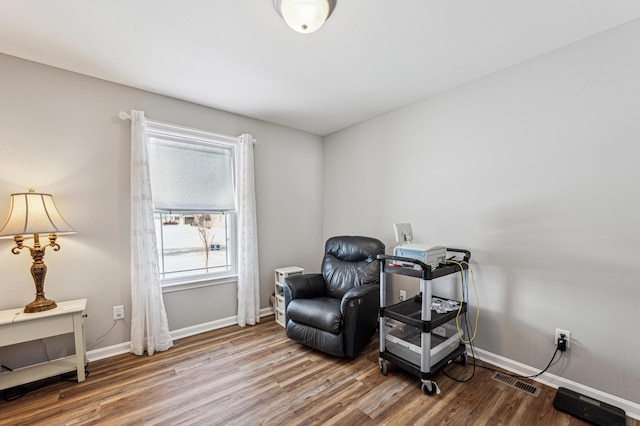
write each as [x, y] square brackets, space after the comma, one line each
[370, 57]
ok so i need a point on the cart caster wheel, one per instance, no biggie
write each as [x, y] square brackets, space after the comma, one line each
[383, 368]
[463, 359]
[430, 388]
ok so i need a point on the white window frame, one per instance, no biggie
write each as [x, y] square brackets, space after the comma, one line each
[194, 136]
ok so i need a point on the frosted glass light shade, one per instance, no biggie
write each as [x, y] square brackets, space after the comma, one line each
[305, 16]
[34, 213]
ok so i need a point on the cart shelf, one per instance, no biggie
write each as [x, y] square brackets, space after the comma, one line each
[409, 312]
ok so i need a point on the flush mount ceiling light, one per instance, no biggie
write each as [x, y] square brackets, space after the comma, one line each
[305, 16]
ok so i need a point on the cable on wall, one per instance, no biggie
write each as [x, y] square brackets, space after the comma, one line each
[462, 299]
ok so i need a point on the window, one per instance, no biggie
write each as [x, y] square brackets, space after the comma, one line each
[193, 185]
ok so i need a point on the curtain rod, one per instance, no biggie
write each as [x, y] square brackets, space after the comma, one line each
[124, 116]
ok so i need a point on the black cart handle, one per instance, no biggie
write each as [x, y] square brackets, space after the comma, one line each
[422, 265]
[467, 253]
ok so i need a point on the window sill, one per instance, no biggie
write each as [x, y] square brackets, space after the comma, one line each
[197, 282]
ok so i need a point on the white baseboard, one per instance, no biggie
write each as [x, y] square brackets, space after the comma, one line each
[123, 348]
[632, 409]
[107, 351]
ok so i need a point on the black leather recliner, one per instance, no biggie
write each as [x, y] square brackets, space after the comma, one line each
[336, 311]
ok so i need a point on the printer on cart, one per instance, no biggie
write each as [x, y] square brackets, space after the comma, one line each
[430, 255]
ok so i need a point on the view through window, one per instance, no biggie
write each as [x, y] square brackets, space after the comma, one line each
[193, 244]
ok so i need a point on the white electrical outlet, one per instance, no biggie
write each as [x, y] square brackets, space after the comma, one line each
[403, 295]
[118, 312]
[567, 336]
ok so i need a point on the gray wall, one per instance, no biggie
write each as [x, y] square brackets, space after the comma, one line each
[61, 134]
[535, 170]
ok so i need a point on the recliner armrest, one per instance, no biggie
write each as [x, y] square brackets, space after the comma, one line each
[357, 293]
[359, 308]
[304, 286]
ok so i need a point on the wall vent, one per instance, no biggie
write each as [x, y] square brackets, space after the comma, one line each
[517, 384]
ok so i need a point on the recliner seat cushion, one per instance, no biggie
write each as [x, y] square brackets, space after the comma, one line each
[320, 312]
[321, 340]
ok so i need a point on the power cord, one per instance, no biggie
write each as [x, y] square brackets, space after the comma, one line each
[464, 288]
[17, 392]
[518, 376]
[90, 345]
[553, 361]
[473, 355]
[462, 299]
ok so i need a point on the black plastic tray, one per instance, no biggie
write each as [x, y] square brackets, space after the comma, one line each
[409, 311]
[414, 369]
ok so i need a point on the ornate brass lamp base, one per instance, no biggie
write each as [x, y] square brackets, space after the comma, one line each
[38, 271]
[39, 305]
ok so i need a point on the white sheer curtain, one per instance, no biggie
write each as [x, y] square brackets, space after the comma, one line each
[248, 276]
[149, 325]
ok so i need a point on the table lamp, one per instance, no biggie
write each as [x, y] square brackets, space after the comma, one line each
[33, 213]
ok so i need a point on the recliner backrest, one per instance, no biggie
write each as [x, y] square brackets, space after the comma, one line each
[350, 261]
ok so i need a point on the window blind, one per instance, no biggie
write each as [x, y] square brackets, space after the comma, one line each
[191, 177]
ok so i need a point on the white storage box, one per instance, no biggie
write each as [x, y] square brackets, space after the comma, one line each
[404, 341]
[280, 302]
[282, 273]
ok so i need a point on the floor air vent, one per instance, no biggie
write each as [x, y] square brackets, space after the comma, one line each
[515, 383]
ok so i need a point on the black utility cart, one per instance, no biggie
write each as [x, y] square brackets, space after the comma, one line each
[414, 336]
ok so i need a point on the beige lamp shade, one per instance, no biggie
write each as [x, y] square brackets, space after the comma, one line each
[34, 213]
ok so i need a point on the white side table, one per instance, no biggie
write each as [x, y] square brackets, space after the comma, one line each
[17, 327]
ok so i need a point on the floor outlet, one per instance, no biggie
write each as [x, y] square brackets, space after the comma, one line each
[118, 312]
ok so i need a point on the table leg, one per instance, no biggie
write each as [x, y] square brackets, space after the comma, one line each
[81, 355]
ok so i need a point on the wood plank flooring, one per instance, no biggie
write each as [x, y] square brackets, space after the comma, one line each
[256, 376]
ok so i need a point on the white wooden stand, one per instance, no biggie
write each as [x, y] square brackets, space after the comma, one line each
[17, 327]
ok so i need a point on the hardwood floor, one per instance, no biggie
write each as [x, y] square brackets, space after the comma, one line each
[256, 376]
